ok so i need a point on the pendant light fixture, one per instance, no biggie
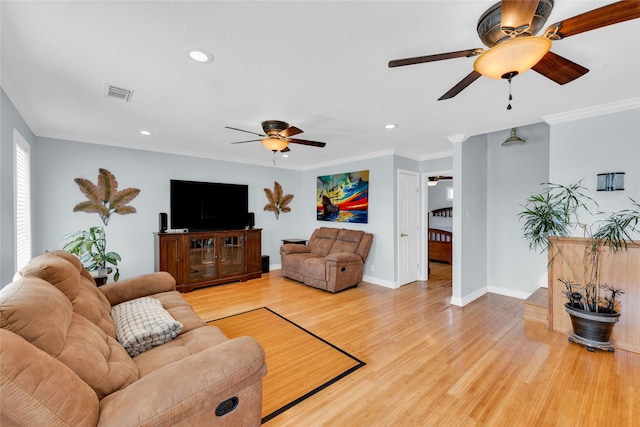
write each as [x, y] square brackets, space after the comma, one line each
[513, 139]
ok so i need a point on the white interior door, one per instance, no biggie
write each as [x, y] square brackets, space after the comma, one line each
[408, 227]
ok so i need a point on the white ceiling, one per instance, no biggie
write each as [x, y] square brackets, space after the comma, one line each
[321, 66]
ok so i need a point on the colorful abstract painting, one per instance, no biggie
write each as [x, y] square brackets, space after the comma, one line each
[343, 197]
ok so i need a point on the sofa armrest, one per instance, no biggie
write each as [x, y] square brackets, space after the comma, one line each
[294, 248]
[187, 388]
[37, 389]
[343, 257]
[140, 286]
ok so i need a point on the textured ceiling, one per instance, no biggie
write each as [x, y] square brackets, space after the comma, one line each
[321, 66]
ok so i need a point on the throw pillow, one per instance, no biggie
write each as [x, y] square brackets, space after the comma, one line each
[142, 324]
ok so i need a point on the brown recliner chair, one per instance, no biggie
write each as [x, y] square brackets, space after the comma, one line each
[333, 259]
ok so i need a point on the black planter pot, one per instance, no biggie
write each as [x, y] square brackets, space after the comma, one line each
[592, 329]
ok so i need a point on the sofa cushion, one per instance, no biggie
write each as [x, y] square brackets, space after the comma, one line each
[142, 324]
[347, 241]
[322, 240]
[65, 271]
[183, 346]
[180, 310]
[42, 315]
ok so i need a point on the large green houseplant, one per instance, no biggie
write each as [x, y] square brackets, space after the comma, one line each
[553, 213]
[91, 247]
[104, 199]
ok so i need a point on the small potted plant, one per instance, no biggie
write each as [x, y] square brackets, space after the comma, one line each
[91, 247]
[555, 213]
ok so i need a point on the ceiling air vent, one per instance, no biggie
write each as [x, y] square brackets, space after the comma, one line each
[118, 93]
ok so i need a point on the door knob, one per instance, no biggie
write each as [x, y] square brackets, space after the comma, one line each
[403, 235]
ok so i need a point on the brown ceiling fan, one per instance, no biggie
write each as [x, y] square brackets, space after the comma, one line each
[509, 30]
[277, 136]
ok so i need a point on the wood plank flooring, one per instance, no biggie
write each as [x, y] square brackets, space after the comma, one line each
[433, 364]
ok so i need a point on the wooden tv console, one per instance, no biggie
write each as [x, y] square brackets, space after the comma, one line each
[205, 258]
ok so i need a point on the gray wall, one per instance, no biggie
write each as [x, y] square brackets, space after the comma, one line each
[514, 173]
[381, 213]
[584, 148]
[470, 220]
[492, 183]
[57, 162]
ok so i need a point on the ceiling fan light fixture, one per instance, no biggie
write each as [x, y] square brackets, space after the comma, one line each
[275, 144]
[512, 57]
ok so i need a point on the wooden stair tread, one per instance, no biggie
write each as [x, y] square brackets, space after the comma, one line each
[536, 307]
[539, 297]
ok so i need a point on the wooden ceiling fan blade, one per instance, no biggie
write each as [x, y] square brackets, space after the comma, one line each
[242, 130]
[290, 131]
[285, 149]
[438, 57]
[307, 142]
[472, 77]
[517, 13]
[613, 13]
[559, 69]
[242, 142]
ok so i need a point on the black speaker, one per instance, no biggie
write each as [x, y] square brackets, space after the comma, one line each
[251, 219]
[162, 219]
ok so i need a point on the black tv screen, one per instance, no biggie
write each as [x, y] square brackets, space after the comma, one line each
[208, 205]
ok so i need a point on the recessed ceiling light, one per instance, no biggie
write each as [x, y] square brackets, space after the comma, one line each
[390, 126]
[145, 132]
[200, 55]
[285, 155]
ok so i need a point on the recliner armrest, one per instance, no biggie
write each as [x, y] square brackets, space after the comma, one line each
[343, 257]
[186, 388]
[139, 286]
[294, 248]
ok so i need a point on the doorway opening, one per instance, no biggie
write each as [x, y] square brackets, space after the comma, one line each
[438, 223]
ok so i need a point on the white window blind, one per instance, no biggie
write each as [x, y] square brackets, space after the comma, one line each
[22, 193]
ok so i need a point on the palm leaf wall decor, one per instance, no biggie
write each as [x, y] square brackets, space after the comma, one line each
[277, 201]
[104, 198]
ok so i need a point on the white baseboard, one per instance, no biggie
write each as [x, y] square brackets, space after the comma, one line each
[508, 292]
[461, 302]
[380, 282]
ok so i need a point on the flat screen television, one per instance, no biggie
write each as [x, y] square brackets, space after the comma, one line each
[200, 206]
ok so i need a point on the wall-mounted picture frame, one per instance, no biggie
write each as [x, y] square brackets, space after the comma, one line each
[343, 197]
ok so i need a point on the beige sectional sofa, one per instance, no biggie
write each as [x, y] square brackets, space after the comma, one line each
[62, 365]
[333, 259]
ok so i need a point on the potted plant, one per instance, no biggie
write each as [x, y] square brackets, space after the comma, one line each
[104, 199]
[91, 247]
[554, 212]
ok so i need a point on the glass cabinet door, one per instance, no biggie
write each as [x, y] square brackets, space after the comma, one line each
[202, 258]
[231, 255]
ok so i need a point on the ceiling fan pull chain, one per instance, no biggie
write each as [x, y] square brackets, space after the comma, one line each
[510, 97]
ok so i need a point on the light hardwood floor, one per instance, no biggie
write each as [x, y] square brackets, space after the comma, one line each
[433, 364]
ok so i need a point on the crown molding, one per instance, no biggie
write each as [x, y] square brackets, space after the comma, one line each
[455, 139]
[598, 110]
[344, 160]
[435, 156]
